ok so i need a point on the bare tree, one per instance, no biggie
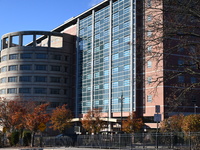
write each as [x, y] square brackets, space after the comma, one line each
[170, 43]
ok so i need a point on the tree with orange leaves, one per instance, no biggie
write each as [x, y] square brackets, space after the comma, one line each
[12, 112]
[34, 118]
[132, 123]
[172, 124]
[191, 123]
[92, 121]
[61, 118]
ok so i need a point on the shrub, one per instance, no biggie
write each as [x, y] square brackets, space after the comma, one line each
[14, 139]
[27, 138]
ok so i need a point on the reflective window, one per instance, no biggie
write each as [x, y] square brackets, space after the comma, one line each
[4, 69]
[149, 64]
[40, 67]
[40, 79]
[13, 56]
[3, 80]
[41, 56]
[12, 68]
[25, 78]
[25, 67]
[149, 80]
[11, 91]
[25, 55]
[181, 79]
[149, 98]
[12, 79]
[40, 90]
[4, 58]
[25, 90]
[3, 91]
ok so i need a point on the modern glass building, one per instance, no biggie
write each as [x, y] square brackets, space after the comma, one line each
[106, 58]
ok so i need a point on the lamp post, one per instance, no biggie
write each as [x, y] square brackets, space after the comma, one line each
[195, 109]
[121, 100]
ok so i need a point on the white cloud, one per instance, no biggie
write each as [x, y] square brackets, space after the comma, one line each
[94, 2]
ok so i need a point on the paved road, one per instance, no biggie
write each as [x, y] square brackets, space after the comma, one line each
[54, 148]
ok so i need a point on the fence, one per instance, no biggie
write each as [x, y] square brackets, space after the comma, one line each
[126, 141]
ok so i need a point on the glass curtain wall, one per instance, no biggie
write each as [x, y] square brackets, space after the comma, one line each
[120, 63]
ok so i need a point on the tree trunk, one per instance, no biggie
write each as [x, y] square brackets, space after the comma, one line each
[32, 138]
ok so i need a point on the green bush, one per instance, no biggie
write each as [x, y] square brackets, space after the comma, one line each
[27, 138]
[14, 139]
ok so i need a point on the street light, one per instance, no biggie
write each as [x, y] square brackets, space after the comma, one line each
[121, 100]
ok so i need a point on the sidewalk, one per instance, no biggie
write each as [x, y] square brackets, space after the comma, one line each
[54, 148]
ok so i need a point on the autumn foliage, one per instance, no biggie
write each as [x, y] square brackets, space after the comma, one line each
[172, 124]
[178, 123]
[61, 118]
[132, 123]
[92, 121]
[191, 123]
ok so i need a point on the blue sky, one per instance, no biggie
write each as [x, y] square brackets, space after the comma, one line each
[22, 15]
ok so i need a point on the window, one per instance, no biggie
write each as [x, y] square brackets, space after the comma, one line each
[148, 3]
[149, 48]
[126, 67]
[25, 79]
[115, 56]
[106, 72]
[115, 70]
[12, 79]
[54, 91]
[40, 90]
[55, 79]
[181, 79]
[25, 67]
[25, 90]
[149, 80]
[106, 86]
[40, 79]
[126, 38]
[40, 67]
[55, 68]
[41, 56]
[13, 56]
[4, 69]
[4, 58]
[149, 33]
[26, 56]
[12, 68]
[127, 53]
[149, 98]
[11, 91]
[56, 57]
[149, 64]
[126, 82]
[3, 80]
[114, 84]
[193, 80]
[149, 17]
[180, 63]
[3, 91]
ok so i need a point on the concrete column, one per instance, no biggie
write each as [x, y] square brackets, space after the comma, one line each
[77, 69]
[110, 63]
[20, 40]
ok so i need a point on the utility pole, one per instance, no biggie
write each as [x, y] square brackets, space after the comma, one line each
[121, 100]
